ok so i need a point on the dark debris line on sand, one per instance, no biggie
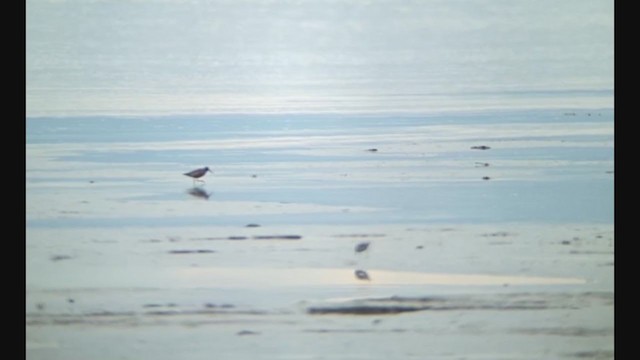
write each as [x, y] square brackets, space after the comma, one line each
[521, 301]
[247, 332]
[198, 251]
[362, 310]
[60, 257]
[277, 237]
[256, 237]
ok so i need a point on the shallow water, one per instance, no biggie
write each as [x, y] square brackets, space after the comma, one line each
[539, 166]
[490, 229]
[259, 56]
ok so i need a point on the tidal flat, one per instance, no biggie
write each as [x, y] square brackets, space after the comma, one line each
[490, 236]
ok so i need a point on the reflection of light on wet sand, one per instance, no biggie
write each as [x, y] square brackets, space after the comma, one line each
[49, 206]
[258, 277]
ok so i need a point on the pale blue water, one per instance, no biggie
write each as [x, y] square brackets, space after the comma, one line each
[556, 178]
[105, 129]
[342, 56]
[148, 72]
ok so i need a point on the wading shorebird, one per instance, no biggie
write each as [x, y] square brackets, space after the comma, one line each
[198, 173]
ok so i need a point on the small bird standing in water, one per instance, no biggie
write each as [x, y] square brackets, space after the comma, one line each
[198, 173]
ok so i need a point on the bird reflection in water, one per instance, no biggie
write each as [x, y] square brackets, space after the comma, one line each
[199, 193]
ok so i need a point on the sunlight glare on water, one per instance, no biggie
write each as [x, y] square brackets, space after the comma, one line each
[258, 56]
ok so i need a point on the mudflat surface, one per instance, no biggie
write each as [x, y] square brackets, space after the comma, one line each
[490, 236]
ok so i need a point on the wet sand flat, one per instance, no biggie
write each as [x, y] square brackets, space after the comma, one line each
[490, 236]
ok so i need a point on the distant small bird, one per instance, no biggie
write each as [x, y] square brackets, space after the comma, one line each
[198, 173]
[362, 275]
[362, 246]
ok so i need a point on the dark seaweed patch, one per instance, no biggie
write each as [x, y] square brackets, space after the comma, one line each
[277, 237]
[397, 304]
[362, 310]
[247, 332]
[198, 251]
[480, 147]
